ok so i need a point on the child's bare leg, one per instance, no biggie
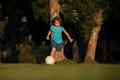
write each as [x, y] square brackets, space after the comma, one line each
[57, 56]
[53, 52]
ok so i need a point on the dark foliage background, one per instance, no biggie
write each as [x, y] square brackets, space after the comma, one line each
[17, 32]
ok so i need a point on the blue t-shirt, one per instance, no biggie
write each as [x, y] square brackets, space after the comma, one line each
[56, 34]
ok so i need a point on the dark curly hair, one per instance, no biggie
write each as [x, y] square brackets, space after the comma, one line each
[56, 19]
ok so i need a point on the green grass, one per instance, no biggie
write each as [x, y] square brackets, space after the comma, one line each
[59, 72]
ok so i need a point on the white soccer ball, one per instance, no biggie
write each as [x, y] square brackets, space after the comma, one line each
[50, 60]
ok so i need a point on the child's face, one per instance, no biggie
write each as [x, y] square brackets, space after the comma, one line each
[57, 23]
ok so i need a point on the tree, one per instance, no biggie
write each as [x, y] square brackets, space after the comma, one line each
[86, 15]
[98, 19]
[54, 8]
[90, 55]
[55, 11]
[91, 14]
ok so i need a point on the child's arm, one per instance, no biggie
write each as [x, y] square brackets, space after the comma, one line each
[66, 33]
[48, 35]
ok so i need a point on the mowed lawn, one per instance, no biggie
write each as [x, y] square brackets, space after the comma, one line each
[59, 71]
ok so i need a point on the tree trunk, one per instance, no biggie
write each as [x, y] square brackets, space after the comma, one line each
[54, 8]
[75, 51]
[54, 11]
[90, 55]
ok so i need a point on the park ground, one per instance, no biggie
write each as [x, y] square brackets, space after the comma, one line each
[59, 71]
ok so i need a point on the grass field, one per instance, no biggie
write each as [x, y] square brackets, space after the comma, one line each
[59, 71]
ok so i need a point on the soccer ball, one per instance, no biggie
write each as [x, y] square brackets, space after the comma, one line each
[50, 60]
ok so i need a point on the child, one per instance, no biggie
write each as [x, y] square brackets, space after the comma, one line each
[56, 37]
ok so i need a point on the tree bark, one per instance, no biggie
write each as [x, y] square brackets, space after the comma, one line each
[54, 8]
[75, 51]
[90, 55]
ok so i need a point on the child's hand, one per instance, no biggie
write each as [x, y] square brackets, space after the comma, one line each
[71, 40]
[47, 38]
